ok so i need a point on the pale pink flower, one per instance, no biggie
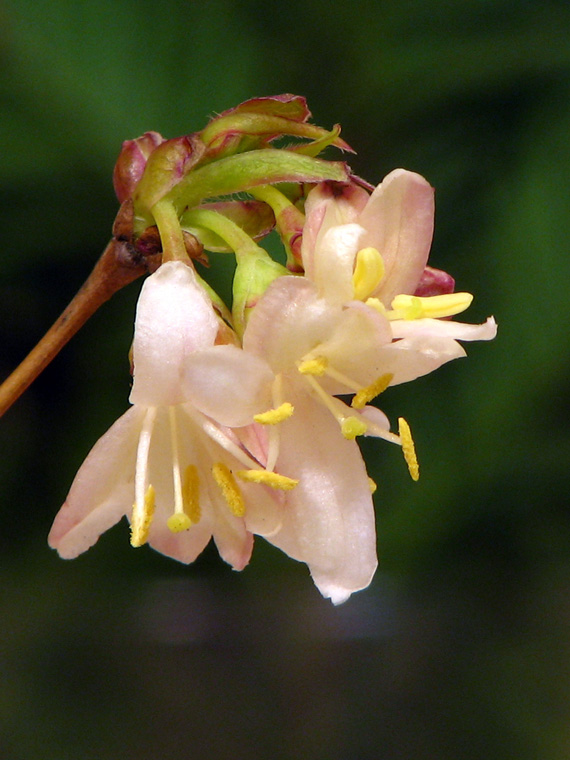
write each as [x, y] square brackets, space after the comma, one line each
[328, 518]
[168, 462]
[368, 250]
[332, 332]
[397, 220]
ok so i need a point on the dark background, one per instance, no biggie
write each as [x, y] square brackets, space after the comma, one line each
[460, 648]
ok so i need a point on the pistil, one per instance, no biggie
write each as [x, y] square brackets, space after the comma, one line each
[179, 520]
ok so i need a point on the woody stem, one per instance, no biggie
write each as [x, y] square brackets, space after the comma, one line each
[113, 271]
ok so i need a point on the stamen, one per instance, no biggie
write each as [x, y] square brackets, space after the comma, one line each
[372, 485]
[435, 307]
[274, 416]
[368, 272]
[191, 494]
[316, 366]
[229, 488]
[143, 508]
[142, 518]
[365, 395]
[272, 479]
[408, 448]
[353, 426]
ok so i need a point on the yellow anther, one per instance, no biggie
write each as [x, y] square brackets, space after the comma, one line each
[436, 307]
[408, 448]
[365, 395]
[273, 479]
[368, 272]
[229, 488]
[352, 426]
[142, 518]
[179, 522]
[316, 366]
[372, 485]
[273, 416]
[191, 494]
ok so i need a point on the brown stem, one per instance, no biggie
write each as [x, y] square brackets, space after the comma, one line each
[116, 268]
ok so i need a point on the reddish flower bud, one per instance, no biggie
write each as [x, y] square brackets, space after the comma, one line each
[131, 163]
[434, 282]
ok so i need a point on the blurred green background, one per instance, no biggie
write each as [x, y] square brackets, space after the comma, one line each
[460, 648]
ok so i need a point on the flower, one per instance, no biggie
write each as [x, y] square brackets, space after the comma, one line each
[330, 333]
[371, 251]
[308, 435]
[396, 220]
[168, 463]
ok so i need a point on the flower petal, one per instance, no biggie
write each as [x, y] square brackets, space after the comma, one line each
[328, 521]
[233, 541]
[399, 220]
[444, 328]
[417, 355]
[174, 319]
[353, 347]
[325, 209]
[227, 384]
[334, 262]
[102, 491]
[185, 546]
[288, 321]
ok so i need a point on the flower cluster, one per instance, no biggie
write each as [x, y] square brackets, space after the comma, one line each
[240, 424]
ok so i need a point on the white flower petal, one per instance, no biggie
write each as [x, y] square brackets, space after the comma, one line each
[399, 220]
[325, 209]
[353, 347]
[102, 491]
[418, 355]
[288, 321]
[185, 546]
[377, 417]
[444, 328]
[227, 384]
[334, 262]
[233, 541]
[174, 319]
[328, 520]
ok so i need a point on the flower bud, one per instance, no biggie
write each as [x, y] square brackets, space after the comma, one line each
[256, 123]
[434, 282]
[131, 163]
[167, 165]
[254, 274]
